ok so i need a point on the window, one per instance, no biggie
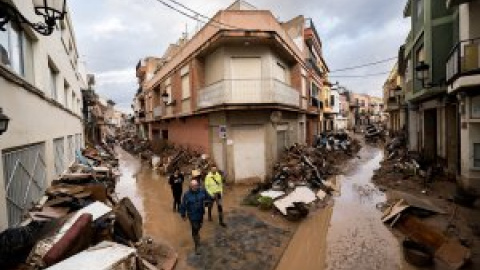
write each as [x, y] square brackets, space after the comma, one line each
[59, 152]
[280, 72]
[419, 7]
[476, 155]
[74, 102]
[409, 71]
[246, 68]
[421, 54]
[13, 44]
[53, 74]
[304, 86]
[314, 90]
[332, 100]
[66, 91]
[25, 174]
[186, 86]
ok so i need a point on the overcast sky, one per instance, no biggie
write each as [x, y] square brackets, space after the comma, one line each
[112, 35]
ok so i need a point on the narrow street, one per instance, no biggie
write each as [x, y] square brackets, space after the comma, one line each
[346, 235]
[357, 239]
[323, 142]
[152, 196]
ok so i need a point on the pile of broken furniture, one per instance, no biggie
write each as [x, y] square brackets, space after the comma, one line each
[79, 223]
[374, 134]
[401, 164]
[425, 244]
[300, 177]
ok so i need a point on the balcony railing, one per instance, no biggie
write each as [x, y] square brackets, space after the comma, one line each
[237, 92]
[464, 59]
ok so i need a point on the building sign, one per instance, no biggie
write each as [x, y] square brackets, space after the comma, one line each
[222, 132]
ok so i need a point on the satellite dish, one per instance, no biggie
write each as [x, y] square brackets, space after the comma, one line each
[276, 116]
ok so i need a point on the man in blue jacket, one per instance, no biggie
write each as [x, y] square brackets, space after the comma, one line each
[193, 206]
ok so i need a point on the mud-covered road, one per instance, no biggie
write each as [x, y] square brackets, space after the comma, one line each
[347, 235]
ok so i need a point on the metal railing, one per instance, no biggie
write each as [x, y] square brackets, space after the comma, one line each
[25, 179]
[255, 91]
[464, 59]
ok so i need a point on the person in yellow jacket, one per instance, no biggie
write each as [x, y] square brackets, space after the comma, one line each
[214, 187]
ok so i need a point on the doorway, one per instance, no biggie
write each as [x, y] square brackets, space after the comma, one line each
[430, 134]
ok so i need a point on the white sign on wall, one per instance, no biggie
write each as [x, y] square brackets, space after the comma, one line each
[222, 132]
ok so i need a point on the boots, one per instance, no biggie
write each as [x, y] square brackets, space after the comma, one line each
[210, 214]
[196, 240]
[220, 219]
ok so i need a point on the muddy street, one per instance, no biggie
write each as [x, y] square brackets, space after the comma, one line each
[357, 239]
[151, 194]
[345, 235]
[349, 234]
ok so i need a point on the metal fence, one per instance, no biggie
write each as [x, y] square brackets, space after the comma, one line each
[59, 155]
[25, 179]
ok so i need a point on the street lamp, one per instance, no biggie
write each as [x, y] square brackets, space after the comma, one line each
[422, 71]
[165, 98]
[50, 10]
[3, 122]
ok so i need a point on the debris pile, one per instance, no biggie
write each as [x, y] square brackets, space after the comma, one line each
[425, 244]
[79, 223]
[300, 175]
[400, 164]
[374, 134]
[138, 147]
[165, 157]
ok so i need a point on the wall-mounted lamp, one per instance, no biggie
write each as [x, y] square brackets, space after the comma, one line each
[423, 72]
[51, 11]
[165, 98]
[3, 122]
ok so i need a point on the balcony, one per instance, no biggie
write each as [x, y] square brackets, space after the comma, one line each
[463, 61]
[242, 92]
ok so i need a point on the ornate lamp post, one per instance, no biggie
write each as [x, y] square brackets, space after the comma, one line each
[51, 11]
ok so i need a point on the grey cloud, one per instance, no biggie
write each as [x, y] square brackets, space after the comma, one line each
[353, 32]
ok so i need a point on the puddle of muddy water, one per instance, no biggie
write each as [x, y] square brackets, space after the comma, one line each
[357, 239]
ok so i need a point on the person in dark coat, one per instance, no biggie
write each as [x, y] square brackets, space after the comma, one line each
[193, 207]
[176, 183]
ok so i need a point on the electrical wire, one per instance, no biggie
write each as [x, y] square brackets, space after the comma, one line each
[180, 11]
[196, 13]
[201, 15]
[360, 76]
[365, 65]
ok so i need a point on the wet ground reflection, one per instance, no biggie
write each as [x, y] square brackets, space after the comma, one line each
[357, 239]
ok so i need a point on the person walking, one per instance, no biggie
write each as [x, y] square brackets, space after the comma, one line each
[176, 183]
[193, 207]
[214, 187]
